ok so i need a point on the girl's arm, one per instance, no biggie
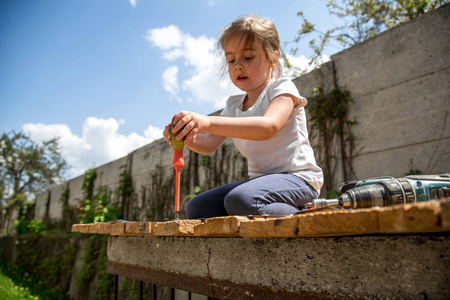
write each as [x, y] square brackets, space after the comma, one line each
[205, 143]
[201, 143]
[251, 128]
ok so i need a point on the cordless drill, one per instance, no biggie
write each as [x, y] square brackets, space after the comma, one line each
[388, 191]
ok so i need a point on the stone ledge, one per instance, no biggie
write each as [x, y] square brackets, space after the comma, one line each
[204, 285]
[369, 266]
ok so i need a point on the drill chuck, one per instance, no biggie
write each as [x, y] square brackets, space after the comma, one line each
[363, 197]
[321, 203]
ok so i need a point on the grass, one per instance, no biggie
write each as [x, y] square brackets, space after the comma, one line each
[10, 290]
[19, 284]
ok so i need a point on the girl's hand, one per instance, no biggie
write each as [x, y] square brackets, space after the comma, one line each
[166, 134]
[189, 124]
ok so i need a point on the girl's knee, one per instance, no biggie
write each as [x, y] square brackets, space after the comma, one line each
[238, 203]
[190, 211]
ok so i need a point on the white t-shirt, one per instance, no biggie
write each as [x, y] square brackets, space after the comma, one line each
[289, 150]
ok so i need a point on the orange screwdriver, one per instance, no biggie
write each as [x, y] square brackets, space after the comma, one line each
[177, 163]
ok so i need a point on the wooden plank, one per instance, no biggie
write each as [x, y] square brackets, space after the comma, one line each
[324, 223]
[445, 215]
[75, 228]
[423, 217]
[411, 218]
[346, 222]
[93, 227]
[148, 227]
[104, 227]
[174, 228]
[270, 227]
[390, 220]
[432, 216]
[117, 229]
[182, 227]
[84, 228]
[158, 229]
[306, 225]
[320, 223]
[220, 226]
[136, 228]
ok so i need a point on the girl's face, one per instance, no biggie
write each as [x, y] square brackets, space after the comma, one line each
[248, 65]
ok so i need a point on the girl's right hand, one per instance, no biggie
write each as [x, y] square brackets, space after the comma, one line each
[166, 134]
[189, 124]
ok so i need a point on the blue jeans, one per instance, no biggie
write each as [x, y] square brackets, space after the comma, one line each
[273, 194]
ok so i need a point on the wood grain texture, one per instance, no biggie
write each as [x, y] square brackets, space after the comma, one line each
[432, 216]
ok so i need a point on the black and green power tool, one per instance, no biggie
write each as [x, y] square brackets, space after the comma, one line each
[388, 191]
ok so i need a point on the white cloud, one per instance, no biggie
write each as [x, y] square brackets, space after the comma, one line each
[301, 64]
[133, 3]
[100, 141]
[153, 133]
[170, 81]
[166, 38]
[200, 61]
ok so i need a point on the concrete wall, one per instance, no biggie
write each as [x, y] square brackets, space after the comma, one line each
[41, 205]
[56, 207]
[401, 86]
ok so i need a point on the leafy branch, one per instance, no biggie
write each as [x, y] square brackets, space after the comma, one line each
[361, 20]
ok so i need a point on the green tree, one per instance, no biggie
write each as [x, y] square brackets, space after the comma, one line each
[26, 167]
[361, 20]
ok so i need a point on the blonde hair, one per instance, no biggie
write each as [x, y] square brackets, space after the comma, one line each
[253, 28]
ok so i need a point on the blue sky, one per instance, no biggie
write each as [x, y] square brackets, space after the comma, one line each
[105, 76]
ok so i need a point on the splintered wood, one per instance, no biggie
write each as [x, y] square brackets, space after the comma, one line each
[433, 216]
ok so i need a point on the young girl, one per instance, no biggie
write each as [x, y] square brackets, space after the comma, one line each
[267, 124]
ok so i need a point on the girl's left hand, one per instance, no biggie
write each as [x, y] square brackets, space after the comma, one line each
[193, 123]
